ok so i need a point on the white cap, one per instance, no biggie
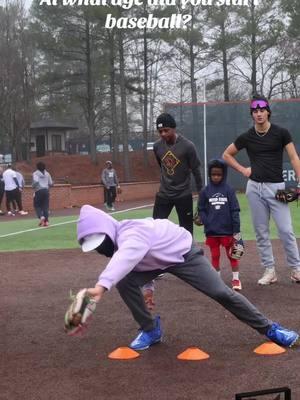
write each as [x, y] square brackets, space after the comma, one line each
[91, 242]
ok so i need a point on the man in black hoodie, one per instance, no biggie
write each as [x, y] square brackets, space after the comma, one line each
[220, 213]
[178, 160]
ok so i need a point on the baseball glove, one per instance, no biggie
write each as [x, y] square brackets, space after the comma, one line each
[197, 219]
[79, 313]
[287, 195]
[237, 249]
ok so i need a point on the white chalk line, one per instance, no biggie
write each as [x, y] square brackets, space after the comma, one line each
[71, 222]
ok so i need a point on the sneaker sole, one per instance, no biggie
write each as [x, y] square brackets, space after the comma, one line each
[296, 342]
[269, 283]
[295, 280]
[237, 288]
[146, 347]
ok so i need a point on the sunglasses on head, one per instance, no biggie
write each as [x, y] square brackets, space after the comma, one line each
[259, 104]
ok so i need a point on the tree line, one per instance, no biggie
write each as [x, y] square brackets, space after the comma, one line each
[60, 62]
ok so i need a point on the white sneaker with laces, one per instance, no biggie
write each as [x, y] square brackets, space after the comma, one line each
[295, 276]
[23, 212]
[268, 277]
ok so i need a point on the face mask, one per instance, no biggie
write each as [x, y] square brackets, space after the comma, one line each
[107, 247]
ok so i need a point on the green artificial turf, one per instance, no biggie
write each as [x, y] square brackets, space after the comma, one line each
[22, 234]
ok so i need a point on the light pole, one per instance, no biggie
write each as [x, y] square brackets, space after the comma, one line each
[204, 132]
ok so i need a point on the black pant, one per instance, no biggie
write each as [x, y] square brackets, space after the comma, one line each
[110, 195]
[1, 192]
[41, 203]
[13, 197]
[184, 208]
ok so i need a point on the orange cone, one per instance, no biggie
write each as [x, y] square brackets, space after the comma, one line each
[269, 349]
[123, 353]
[193, 354]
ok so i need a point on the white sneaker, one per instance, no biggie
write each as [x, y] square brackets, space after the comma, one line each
[295, 276]
[11, 214]
[268, 277]
[23, 212]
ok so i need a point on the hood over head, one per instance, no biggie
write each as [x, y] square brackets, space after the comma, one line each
[40, 174]
[92, 226]
[217, 163]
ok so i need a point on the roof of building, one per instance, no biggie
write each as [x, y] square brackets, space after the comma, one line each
[51, 124]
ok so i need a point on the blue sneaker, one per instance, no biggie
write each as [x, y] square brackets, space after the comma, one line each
[282, 336]
[145, 339]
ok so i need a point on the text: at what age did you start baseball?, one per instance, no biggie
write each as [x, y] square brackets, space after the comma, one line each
[174, 21]
[127, 4]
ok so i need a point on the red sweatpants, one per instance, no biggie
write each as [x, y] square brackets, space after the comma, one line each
[214, 243]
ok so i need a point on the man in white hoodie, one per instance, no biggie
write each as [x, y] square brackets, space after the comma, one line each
[12, 192]
[41, 182]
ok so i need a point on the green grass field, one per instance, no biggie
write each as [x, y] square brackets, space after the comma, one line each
[23, 234]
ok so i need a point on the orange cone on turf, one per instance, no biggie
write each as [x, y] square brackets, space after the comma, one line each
[193, 354]
[123, 353]
[269, 349]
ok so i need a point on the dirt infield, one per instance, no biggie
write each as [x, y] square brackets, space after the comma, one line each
[39, 362]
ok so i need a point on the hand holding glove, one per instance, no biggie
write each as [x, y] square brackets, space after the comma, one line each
[237, 249]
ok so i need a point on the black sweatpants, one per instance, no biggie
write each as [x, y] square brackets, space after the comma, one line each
[13, 197]
[110, 195]
[184, 208]
[41, 203]
[1, 192]
[197, 271]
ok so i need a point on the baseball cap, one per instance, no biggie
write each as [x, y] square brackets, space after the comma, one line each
[91, 242]
[165, 120]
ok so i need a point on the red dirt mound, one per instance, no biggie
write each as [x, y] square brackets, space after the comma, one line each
[79, 170]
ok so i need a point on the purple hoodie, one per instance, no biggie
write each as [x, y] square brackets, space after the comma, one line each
[142, 244]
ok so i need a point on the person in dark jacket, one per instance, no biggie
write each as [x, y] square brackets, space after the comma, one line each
[219, 210]
[178, 161]
[111, 184]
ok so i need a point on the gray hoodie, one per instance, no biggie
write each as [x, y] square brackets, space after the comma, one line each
[41, 180]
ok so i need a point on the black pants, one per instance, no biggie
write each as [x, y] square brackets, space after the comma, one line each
[1, 192]
[184, 208]
[41, 203]
[13, 197]
[110, 195]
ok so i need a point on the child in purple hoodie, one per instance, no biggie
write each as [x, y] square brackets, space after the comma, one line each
[140, 250]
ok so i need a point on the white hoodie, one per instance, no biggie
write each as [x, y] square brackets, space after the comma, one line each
[41, 180]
